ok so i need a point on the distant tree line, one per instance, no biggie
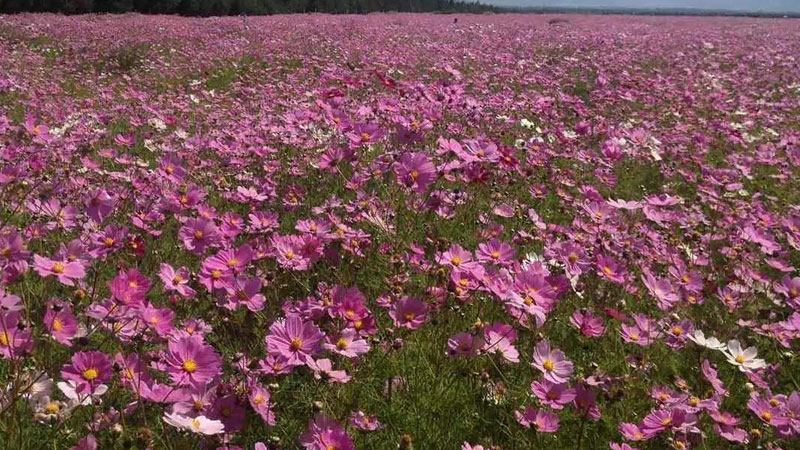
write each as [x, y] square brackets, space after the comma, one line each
[233, 7]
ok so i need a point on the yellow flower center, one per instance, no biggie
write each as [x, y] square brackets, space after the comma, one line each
[259, 399]
[296, 344]
[4, 339]
[739, 359]
[52, 408]
[189, 365]
[57, 325]
[109, 242]
[58, 267]
[198, 234]
[365, 137]
[548, 365]
[233, 262]
[495, 254]
[456, 260]
[766, 415]
[666, 421]
[341, 344]
[409, 317]
[90, 374]
[216, 274]
[414, 174]
[289, 254]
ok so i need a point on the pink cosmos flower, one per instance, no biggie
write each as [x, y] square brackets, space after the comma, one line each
[246, 291]
[415, 171]
[325, 434]
[610, 269]
[158, 319]
[259, 398]
[190, 360]
[541, 421]
[348, 304]
[364, 134]
[88, 370]
[665, 294]
[764, 410]
[465, 345]
[586, 402]
[294, 339]
[552, 362]
[15, 339]
[323, 370]
[455, 257]
[499, 338]
[65, 271]
[588, 324]
[643, 332]
[296, 252]
[364, 422]
[176, 280]
[61, 324]
[409, 312]
[551, 394]
[348, 345]
[89, 442]
[495, 252]
[199, 234]
[130, 287]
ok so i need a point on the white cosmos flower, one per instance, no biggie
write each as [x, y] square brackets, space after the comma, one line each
[744, 359]
[78, 395]
[199, 424]
[699, 338]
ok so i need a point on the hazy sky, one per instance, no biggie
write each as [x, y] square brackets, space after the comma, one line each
[738, 5]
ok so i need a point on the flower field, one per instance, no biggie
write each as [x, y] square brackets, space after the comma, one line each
[399, 231]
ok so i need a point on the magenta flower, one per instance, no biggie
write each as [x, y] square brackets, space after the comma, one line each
[88, 370]
[499, 338]
[495, 252]
[246, 291]
[610, 269]
[323, 370]
[415, 171]
[130, 287]
[15, 338]
[589, 325]
[554, 395]
[541, 421]
[259, 398]
[552, 362]
[65, 271]
[294, 339]
[199, 234]
[409, 312]
[465, 345]
[62, 324]
[348, 345]
[769, 414]
[364, 422]
[190, 360]
[325, 434]
[176, 280]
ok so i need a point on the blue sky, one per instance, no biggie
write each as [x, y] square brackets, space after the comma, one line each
[736, 5]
